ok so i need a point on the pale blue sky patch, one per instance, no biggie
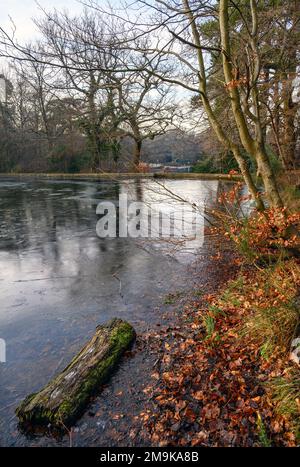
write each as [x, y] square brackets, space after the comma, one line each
[22, 12]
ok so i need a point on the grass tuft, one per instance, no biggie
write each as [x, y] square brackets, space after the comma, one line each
[275, 310]
[285, 392]
[262, 433]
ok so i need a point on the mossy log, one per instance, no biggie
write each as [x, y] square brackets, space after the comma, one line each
[65, 397]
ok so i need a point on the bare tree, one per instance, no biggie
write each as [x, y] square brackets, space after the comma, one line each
[145, 102]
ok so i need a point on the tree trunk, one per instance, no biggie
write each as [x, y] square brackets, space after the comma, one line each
[255, 147]
[213, 120]
[66, 396]
[245, 171]
[268, 177]
[92, 128]
[289, 115]
[137, 153]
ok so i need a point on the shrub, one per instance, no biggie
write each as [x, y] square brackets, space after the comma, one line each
[143, 167]
[266, 235]
[219, 163]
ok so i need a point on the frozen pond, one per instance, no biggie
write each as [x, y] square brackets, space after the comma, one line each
[59, 280]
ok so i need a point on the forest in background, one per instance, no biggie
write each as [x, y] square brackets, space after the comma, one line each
[102, 91]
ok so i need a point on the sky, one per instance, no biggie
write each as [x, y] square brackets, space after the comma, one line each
[22, 11]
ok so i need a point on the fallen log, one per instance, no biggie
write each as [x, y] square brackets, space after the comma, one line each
[64, 398]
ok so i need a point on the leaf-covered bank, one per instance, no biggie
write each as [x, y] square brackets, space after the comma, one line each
[224, 377]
